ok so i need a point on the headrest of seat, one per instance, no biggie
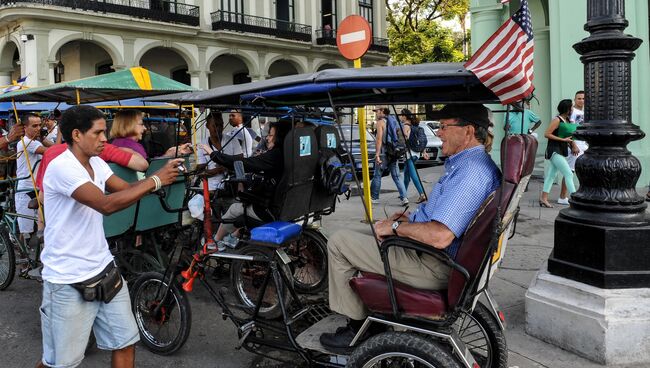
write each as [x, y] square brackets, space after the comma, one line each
[328, 137]
[520, 161]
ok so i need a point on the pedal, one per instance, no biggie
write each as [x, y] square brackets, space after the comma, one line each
[245, 330]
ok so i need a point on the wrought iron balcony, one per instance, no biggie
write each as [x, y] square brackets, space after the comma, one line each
[379, 44]
[225, 20]
[160, 10]
[326, 37]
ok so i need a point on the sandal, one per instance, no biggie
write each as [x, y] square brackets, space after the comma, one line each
[545, 204]
[423, 198]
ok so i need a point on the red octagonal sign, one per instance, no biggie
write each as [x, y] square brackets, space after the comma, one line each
[353, 37]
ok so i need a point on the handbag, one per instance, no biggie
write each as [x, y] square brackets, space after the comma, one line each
[102, 287]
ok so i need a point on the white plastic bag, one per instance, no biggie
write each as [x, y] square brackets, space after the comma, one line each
[195, 205]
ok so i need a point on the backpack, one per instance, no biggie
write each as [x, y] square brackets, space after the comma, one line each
[417, 139]
[334, 174]
[395, 141]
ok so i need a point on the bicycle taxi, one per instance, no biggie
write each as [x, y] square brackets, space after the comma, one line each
[424, 328]
[148, 216]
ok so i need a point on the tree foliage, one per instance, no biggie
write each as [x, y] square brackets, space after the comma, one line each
[416, 35]
[409, 14]
[430, 43]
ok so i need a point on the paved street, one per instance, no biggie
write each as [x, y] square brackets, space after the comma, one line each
[212, 340]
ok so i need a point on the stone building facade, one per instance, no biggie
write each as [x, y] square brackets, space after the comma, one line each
[204, 43]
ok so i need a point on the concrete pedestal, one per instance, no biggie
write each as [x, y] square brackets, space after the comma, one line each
[609, 326]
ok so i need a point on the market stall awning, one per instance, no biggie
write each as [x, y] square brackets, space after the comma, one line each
[432, 82]
[120, 85]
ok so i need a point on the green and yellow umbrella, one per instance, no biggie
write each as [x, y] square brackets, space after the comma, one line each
[120, 85]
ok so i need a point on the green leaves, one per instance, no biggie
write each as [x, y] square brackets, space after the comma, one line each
[416, 35]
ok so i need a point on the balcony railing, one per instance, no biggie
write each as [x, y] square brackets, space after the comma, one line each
[326, 37]
[379, 44]
[225, 20]
[160, 10]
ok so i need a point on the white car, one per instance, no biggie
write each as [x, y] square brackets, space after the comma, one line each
[434, 145]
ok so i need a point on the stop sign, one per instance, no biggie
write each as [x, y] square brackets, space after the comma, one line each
[353, 37]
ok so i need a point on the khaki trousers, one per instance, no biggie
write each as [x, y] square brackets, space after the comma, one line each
[350, 251]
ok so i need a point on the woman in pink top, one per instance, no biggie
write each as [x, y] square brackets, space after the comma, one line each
[127, 131]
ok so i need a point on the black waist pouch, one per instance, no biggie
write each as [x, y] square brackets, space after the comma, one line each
[102, 287]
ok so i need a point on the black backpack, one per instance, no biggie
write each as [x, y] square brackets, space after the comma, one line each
[334, 174]
[417, 139]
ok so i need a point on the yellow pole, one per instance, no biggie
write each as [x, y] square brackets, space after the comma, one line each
[78, 97]
[361, 113]
[194, 137]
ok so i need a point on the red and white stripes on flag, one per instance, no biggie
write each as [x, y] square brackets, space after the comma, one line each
[504, 63]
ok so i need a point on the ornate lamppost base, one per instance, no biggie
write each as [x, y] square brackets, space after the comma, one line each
[599, 255]
[606, 326]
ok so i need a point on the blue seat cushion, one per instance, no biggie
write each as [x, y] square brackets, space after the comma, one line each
[277, 232]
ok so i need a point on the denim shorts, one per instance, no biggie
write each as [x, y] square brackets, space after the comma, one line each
[66, 321]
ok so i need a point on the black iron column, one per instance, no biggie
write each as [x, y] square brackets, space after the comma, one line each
[603, 238]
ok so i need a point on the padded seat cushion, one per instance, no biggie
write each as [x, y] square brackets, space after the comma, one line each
[373, 291]
[277, 232]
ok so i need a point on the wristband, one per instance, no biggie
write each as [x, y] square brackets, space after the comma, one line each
[157, 182]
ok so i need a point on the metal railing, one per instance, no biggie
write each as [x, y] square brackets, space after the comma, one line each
[326, 37]
[160, 10]
[225, 20]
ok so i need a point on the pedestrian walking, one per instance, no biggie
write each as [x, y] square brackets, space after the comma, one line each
[412, 129]
[577, 118]
[387, 153]
[557, 150]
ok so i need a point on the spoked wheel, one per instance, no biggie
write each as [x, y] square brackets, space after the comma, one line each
[483, 337]
[401, 350]
[7, 260]
[247, 279]
[134, 262]
[309, 262]
[164, 320]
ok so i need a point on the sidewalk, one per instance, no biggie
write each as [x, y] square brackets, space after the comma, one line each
[527, 251]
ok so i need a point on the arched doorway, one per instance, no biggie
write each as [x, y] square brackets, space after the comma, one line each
[166, 62]
[281, 68]
[81, 59]
[9, 63]
[227, 70]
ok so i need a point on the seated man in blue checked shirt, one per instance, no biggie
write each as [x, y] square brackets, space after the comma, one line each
[470, 176]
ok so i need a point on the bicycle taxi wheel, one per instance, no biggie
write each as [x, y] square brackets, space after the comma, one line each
[7, 260]
[162, 313]
[309, 262]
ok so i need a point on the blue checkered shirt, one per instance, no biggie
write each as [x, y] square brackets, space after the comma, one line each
[470, 176]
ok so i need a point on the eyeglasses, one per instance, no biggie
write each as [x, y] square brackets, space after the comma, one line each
[444, 127]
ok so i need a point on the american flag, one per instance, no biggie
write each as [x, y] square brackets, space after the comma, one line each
[504, 63]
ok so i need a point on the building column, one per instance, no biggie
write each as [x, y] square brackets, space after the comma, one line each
[34, 62]
[542, 88]
[486, 18]
[5, 76]
[129, 52]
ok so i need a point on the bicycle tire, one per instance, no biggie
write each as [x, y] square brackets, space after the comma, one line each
[401, 349]
[176, 308]
[7, 260]
[246, 289]
[497, 340]
[310, 259]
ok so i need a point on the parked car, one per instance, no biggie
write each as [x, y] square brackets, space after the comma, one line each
[351, 137]
[434, 145]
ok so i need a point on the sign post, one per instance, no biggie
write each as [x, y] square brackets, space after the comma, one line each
[353, 38]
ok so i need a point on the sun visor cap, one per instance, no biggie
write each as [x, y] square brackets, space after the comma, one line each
[473, 113]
